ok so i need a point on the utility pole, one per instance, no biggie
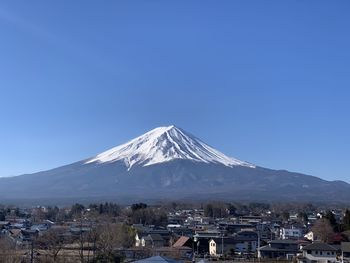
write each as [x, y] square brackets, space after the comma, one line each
[32, 252]
[222, 244]
[193, 256]
[259, 245]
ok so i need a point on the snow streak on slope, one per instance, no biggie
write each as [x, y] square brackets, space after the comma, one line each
[164, 144]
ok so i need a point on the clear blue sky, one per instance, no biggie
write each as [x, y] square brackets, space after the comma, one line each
[264, 81]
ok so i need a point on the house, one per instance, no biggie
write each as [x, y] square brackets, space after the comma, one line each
[184, 242]
[345, 250]
[310, 236]
[164, 233]
[234, 228]
[148, 236]
[290, 233]
[202, 238]
[285, 249]
[21, 237]
[182, 231]
[4, 224]
[266, 231]
[138, 241]
[318, 252]
[158, 259]
[152, 240]
[40, 227]
[248, 234]
[222, 246]
[250, 219]
[185, 253]
[245, 245]
[146, 241]
[14, 234]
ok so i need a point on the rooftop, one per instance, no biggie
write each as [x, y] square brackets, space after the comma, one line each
[320, 247]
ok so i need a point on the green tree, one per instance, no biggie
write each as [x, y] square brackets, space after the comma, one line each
[285, 215]
[302, 216]
[332, 220]
[232, 209]
[216, 210]
[138, 206]
[52, 213]
[208, 210]
[149, 216]
[76, 209]
[2, 216]
[346, 220]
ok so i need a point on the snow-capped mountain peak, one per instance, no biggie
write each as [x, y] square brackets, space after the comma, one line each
[165, 144]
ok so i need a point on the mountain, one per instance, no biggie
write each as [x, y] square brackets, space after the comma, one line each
[165, 144]
[169, 163]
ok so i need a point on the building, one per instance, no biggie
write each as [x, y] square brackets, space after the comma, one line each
[150, 240]
[310, 236]
[345, 249]
[318, 252]
[202, 239]
[284, 249]
[158, 259]
[184, 241]
[151, 237]
[222, 246]
[244, 242]
[291, 233]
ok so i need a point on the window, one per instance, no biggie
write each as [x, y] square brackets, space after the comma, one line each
[328, 253]
[316, 252]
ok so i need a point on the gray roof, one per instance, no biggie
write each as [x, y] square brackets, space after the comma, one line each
[268, 248]
[158, 259]
[147, 238]
[283, 241]
[156, 237]
[320, 246]
[345, 246]
[225, 240]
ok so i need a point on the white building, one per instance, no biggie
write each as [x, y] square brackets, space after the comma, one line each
[318, 252]
[310, 236]
[291, 233]
[231, 245]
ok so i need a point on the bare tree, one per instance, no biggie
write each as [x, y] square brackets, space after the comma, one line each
[8, 253]
[323, 230]
[110, 238]
[52, 242]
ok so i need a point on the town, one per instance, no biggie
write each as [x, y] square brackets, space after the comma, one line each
[176, 232]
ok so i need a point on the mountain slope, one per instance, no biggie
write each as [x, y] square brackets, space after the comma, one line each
[164, 144]
[168, 163]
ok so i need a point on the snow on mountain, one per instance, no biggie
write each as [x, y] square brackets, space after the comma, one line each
[164, 144]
